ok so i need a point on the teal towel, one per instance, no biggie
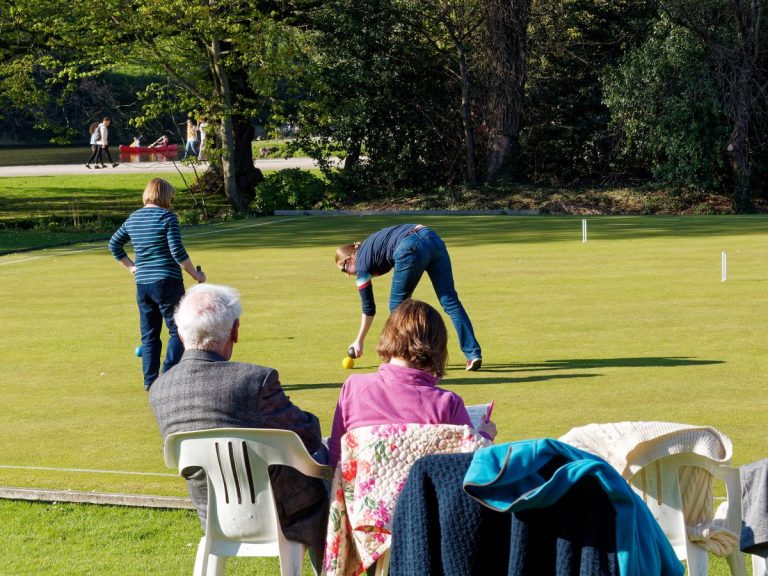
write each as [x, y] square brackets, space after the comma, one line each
[537, 473]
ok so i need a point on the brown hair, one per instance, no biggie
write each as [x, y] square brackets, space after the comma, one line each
[415, 332]
[159, 192]
[344, 252]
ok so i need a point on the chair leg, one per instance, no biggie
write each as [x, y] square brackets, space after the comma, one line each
[382, 564]
[697, 560]
[201, 559]
[759, 566]
[737, 563]
[292, 558]
[216, 565]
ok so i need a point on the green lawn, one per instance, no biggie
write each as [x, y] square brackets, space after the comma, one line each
[633, 325]
[43, 211]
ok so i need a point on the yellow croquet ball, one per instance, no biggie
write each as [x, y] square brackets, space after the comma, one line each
[348, 363]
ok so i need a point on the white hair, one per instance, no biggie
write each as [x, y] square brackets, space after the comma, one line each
[206, 314]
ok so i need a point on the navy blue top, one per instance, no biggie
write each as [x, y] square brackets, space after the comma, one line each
[156, 238]
[376, 256]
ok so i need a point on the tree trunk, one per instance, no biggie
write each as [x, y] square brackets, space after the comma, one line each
[240, 175]
[247, 176]
[738, 148]
[740, 73]
[466, 115]
[507, 28]
[352, 158]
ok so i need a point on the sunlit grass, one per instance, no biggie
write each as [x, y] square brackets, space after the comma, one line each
[633, 325]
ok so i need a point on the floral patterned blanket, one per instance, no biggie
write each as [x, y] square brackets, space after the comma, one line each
[374, 464]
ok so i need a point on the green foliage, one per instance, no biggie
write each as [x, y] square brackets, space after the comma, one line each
[663, 101]
[565, 135]
[381, 86]
[289, 189]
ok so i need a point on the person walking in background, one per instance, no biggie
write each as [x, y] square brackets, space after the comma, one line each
[95, 148]
[159, 257]
[191, 146]
[411, 250]
[413, 347]
[202, 127]
[207, 390]
[103, 141]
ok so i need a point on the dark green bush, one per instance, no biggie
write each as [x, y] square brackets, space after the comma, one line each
[289, 189]
[664, 106]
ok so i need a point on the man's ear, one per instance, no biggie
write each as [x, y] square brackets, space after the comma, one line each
[236, 330]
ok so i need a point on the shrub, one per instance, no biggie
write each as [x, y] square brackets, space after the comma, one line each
[663, 102]
[289, 189]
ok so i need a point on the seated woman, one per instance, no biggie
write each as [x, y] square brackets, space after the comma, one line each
[413, 346]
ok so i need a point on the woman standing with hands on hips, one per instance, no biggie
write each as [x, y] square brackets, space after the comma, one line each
[411, 250]
[159, 257]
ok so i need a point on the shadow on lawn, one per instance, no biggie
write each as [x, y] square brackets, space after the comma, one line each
[492, 373]
[511, 379]
[574, 364]
[584, 363]
[318, 386]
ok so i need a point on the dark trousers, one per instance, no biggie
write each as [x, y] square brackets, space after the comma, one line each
[157, 302]
[95, 154]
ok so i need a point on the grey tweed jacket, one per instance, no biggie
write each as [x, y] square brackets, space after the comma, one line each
[205, 391]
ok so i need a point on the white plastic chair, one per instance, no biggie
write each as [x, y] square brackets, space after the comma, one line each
[659, 486]
[242, 517]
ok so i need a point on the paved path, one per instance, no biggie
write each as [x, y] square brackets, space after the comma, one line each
[144, 167]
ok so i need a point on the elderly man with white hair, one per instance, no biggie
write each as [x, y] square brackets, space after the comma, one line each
[207, 390]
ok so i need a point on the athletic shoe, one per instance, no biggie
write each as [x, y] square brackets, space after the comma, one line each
[474, 364]
[97, 167]
[88, 166]
[103, 165]
[114, 165]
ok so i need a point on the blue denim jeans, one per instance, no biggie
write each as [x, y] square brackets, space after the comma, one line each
[190, 148]
[157, 302]
[424, 251]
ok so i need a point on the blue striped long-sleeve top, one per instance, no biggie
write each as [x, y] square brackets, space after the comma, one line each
[156, 238]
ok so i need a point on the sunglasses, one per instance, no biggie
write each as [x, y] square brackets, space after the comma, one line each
[344, 265]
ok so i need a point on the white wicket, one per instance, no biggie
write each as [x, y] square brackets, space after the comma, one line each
[584, 230]
[723, 267]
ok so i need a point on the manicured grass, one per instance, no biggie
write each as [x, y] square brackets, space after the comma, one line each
[109, 195]
[44, 211]
[633, 325]
[60, 538]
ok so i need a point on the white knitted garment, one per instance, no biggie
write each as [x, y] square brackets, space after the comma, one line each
[631, 446]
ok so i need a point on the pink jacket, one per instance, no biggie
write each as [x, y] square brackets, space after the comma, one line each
[393, 395]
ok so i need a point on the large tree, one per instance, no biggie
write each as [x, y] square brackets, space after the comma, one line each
[456, 26]
[379, 96]
[664, 105]
[570, 43]
[735, 33]
[507, 22]
[214, 56]
[43, 61]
